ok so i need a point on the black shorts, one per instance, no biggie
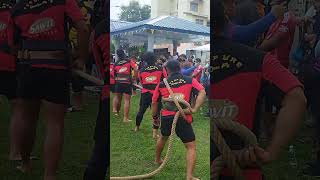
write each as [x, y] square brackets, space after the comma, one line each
[273, 97]
[123, 88]
[8, 87]
[77, 84]
[184, 130]
[47, 84]
[112, 87]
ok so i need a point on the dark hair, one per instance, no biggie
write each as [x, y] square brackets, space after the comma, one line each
[149, 58]
[173, 66]
[121, 55]
[218, 15]
[198, 60]
[183, 56]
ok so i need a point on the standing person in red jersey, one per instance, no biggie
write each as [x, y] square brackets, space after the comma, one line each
[280, 36]
[278, 42]
[198, 71]
[8, 71]
[124, 79]
[150, 76]
[238, 85]
[44, 71]
[99, 162]
[182, 86]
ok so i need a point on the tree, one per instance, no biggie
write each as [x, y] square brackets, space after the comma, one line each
[134, 12]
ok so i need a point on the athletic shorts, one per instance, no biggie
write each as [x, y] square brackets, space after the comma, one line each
[273, 97]
[184, 130]
[8, 87]
[112, 87]
[123, 88]
[46, 84]
[77, 84]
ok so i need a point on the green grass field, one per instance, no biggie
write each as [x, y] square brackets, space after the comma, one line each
[133, 153]
[79, 129]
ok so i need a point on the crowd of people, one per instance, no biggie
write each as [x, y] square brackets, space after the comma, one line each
[187, 78]
[35, 68]
[265, 72]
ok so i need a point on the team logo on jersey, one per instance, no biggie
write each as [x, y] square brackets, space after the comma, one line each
[283, 28]
[42, 25]
[123, 69]
[3, 26]
[151, 78]
[223, 109]
[177, 96]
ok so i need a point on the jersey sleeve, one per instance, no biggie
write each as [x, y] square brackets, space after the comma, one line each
[73, 11]
[287, 25]
[278, 75]
[156, 94]
[196, 85]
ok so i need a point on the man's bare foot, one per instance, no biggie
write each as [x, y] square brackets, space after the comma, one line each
[50, 178]
[116, 113]
[158, 162]
[24, 168]
[136, 129]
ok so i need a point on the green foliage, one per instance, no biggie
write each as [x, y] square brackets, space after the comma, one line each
[134, 12]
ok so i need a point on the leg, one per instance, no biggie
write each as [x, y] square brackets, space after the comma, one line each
[14, 123]
[191, 158]
[114, 103]
[159, 148]
[145, 101]
[25, 129]
[55, 114]
[126, 107]
[117, 102]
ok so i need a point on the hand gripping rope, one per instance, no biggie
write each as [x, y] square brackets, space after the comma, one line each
[181, 112]
[227, 157]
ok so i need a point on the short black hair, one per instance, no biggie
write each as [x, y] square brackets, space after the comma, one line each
[121, 55]
[198, 60]
[218, 15]
[149, 58]
[173, 66]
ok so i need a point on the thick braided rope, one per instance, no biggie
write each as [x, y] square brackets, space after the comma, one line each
[227, 155]
[171, 137]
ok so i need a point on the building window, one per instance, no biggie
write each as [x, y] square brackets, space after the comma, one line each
[199, 21]
[194, 7]
[208, 23]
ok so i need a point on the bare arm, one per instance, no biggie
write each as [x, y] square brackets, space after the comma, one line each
[83, 39]
[199, 101]
[288, 121]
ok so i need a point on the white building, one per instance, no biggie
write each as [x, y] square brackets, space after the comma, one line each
[194, 10]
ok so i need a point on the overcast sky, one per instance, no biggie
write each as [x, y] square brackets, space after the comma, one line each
[115, 9]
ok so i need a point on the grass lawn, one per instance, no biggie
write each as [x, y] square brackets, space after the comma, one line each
[133, 153]
[78, 143]
[281, 170]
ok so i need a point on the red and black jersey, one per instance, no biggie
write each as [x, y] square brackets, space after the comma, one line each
[7, 61]
[122, 71]
[237, 74]
[182, 86]
[101, 52]
[41, 26]
[150, 76]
